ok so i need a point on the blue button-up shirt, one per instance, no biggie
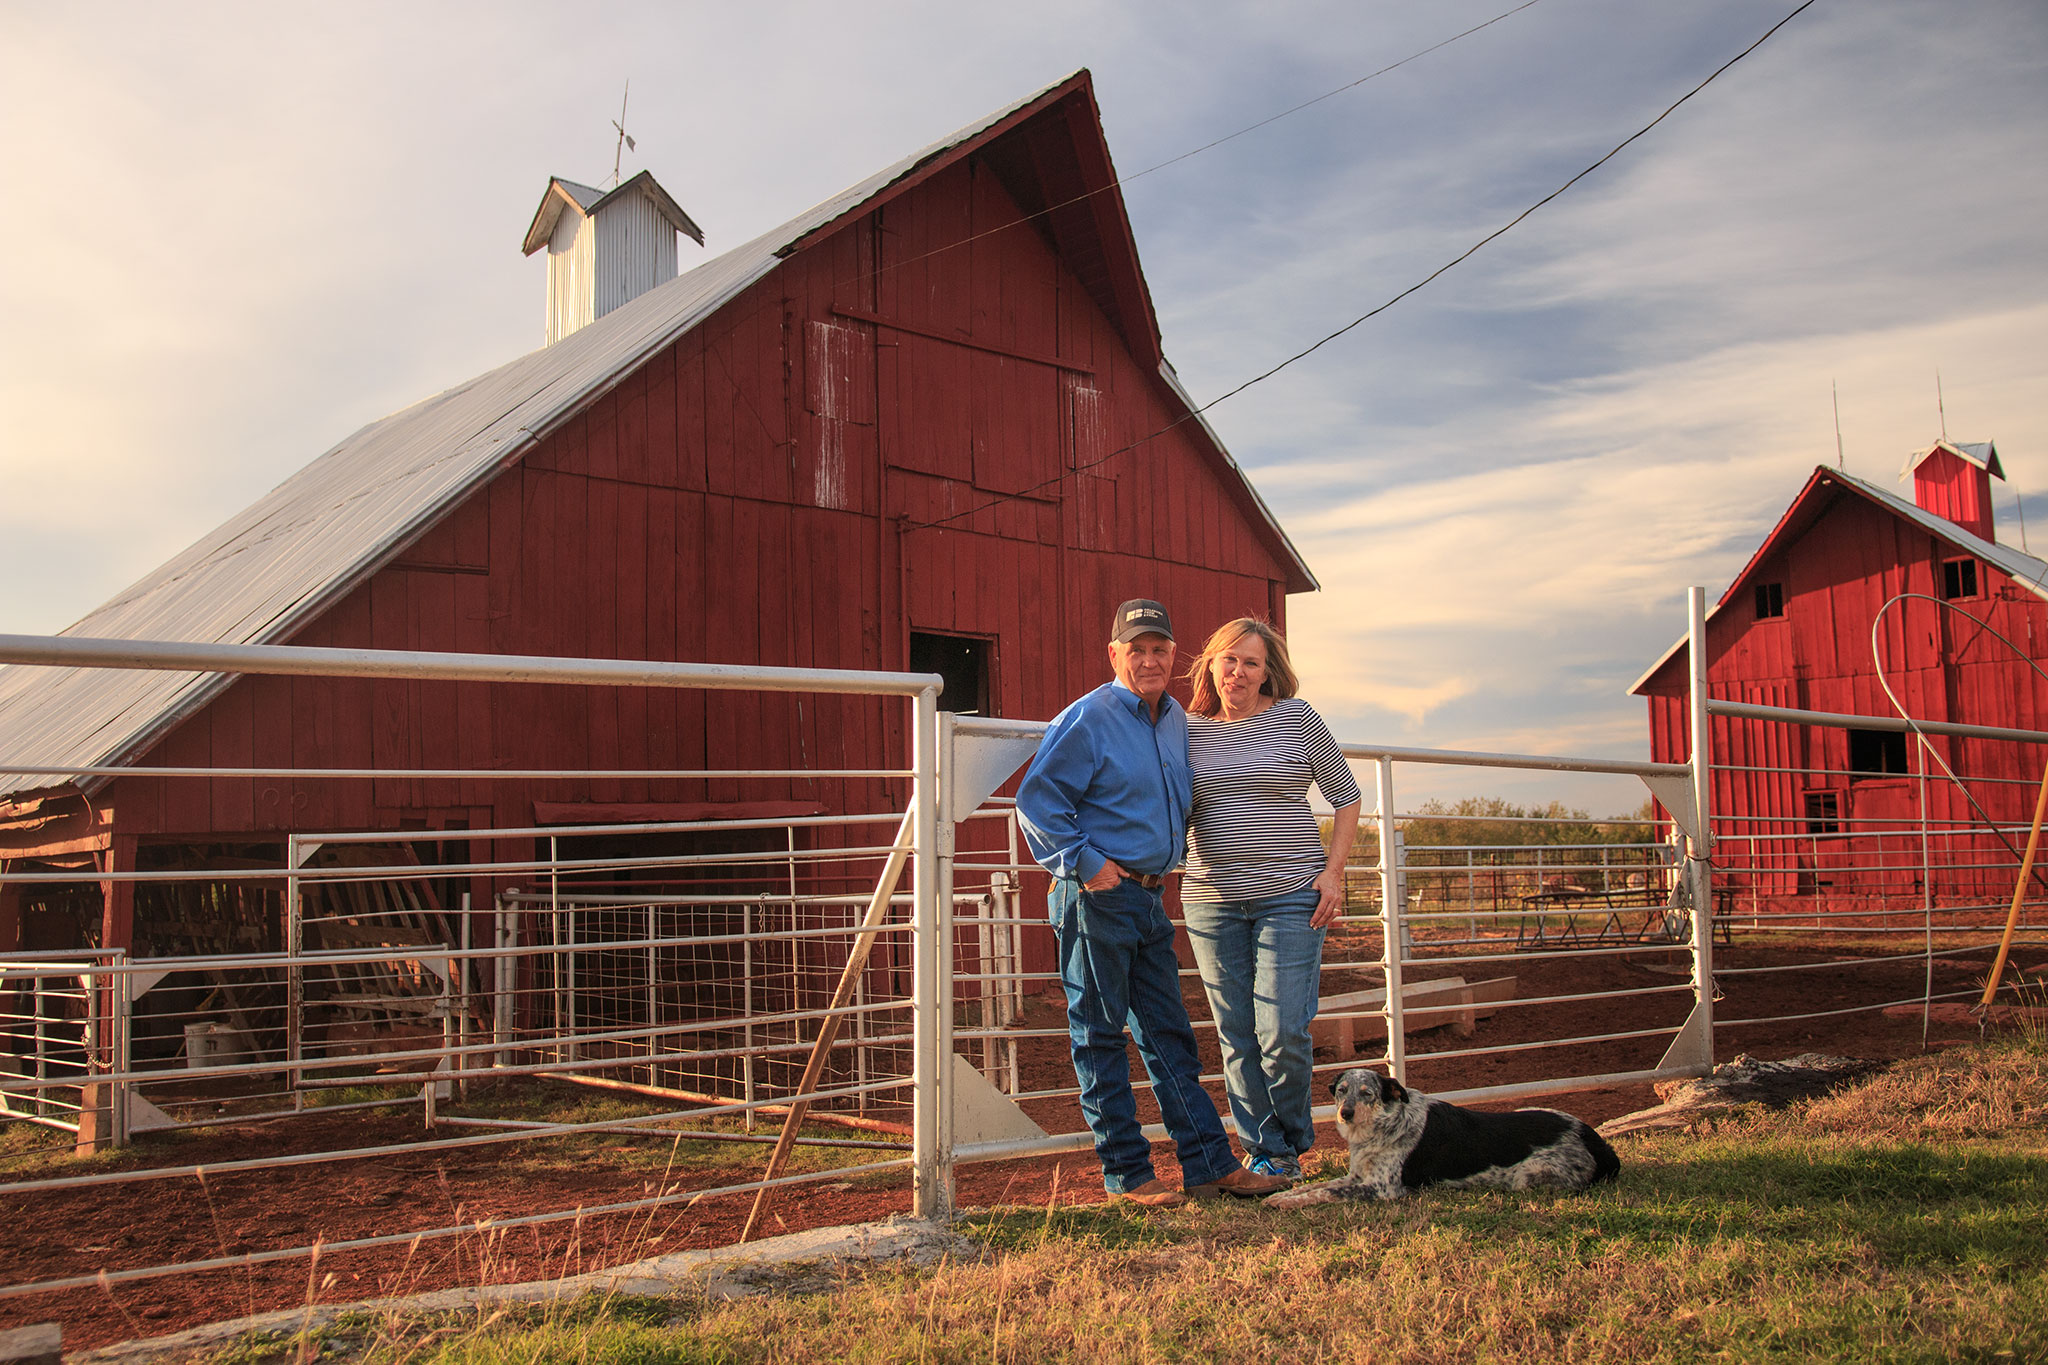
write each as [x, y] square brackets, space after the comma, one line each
[1109, 783]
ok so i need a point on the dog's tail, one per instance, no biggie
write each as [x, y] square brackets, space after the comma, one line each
[1606, 1165]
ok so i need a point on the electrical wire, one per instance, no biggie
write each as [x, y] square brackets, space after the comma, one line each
[1307, 351]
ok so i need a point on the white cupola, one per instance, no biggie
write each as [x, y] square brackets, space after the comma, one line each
[605, 247]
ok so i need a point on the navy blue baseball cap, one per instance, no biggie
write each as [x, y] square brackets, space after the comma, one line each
[1139, 616]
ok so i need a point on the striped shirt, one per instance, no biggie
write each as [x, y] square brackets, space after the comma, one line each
[1252, 831]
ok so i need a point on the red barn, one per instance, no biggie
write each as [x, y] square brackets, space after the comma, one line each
[926, 424]
[1804, 811]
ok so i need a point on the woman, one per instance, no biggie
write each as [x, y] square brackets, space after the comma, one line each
[1261, 890]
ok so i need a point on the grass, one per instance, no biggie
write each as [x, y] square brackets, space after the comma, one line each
[1899, 1221]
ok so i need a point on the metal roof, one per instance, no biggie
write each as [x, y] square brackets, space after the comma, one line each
[561, 193]
[1983, 454]
[2023, 568]
[300, 548]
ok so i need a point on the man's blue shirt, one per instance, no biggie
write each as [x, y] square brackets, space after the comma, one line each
[1108, 783]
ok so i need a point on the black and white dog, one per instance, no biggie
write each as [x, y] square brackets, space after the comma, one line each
[1402, 1140]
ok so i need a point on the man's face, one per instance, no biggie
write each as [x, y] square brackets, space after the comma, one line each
[1145, 665]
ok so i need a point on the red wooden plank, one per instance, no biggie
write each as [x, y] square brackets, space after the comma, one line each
[392, 704]
[187, 804]
[695, 542]
[601, 452]
[657, 738]
[692, 409]
[474, 702]
[662, 444]
[231, 736]
[633, 401]
[634, 570]
[731, 630]
[438, 726]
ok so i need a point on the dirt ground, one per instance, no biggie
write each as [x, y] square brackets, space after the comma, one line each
[81, 1231]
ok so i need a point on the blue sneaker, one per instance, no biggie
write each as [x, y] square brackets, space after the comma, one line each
[1286, 1167]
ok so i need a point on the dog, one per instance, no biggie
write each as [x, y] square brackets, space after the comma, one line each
[1401, 1141]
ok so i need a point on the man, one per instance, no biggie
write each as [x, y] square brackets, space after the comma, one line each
[1104, 808]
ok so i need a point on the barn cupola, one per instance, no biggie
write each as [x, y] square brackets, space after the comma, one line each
[1952, 479]
[605, 247]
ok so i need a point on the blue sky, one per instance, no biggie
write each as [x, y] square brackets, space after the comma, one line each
[243, 231]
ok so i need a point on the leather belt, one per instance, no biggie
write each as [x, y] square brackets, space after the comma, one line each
[1151, 881]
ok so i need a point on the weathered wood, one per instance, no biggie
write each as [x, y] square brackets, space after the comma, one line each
[41, 1344]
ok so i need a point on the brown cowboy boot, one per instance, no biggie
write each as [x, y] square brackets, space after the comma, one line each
[1153, 1194]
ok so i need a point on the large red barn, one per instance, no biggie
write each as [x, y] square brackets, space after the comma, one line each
[1838, 812]
[927, 423]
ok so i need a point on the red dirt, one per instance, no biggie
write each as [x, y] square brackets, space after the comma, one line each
[80, 1231]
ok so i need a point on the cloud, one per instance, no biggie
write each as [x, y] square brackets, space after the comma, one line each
[256, 228]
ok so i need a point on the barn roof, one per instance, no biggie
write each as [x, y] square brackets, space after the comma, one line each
[1819, 494]
[299, 549]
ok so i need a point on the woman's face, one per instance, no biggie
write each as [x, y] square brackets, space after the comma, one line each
[1238, 672]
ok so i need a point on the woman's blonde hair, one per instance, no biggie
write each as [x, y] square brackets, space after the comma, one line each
[1280, 679]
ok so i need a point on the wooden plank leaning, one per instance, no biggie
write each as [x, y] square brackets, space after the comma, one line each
[828, 1028]
[2019, 894]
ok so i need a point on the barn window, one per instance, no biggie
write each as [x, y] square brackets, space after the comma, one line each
[1877, 751]
[1958, 578]
[1823, 813]
[964, 661]
[1770, 600]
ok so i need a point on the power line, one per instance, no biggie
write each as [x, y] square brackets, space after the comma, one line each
[1122, 181]
[1459, 259]
[1328, 94]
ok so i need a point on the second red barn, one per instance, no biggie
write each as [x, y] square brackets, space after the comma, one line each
[1853, 584]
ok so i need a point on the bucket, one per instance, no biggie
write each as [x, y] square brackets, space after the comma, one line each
[211, 1043]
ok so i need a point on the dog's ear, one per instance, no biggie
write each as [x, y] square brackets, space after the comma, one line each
[1392, 1091]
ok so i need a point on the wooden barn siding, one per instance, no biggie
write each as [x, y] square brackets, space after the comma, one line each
[736, 499]
[1837, 576]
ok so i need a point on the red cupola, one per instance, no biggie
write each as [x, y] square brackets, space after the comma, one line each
[1953, 480]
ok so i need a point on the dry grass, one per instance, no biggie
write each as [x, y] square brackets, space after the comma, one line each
[1898, 1222]
[1976, 1092]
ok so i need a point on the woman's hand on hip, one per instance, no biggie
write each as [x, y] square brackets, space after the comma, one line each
[1329, 899]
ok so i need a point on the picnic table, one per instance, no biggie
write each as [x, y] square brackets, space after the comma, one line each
[1550, 918]
[1641, 914]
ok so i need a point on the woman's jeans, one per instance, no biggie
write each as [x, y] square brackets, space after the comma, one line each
[1118, 965]
[1262, 966]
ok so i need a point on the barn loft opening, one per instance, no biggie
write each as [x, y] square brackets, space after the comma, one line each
[964, 661]
[1873, 752]
[1770, 600]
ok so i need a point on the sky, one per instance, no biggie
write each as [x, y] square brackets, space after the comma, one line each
[248, 230]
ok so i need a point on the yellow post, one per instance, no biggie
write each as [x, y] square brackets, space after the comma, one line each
[2019, 892]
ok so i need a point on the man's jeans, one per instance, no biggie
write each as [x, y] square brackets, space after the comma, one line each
[1117, 963]
[1262, 966]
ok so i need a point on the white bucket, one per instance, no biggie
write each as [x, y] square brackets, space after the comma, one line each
[211, 1043]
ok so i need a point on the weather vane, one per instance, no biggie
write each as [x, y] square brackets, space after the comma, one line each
[626, 142]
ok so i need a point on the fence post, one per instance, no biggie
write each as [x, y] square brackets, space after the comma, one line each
[1391, 925]
[504, 982]
[122, 1050]
[294, 974]
[931, 1117]
[1698, 867]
